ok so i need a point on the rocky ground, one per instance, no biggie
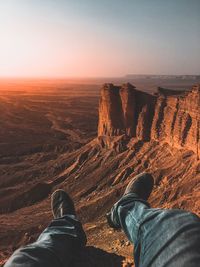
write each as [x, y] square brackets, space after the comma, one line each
[48, 140]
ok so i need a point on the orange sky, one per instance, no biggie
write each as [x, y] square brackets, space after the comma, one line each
[98, 38]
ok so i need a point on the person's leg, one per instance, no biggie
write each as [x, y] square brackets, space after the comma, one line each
[161, 237]
[59, 243]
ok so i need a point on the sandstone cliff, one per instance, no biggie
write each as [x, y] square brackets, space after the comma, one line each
[169, 116]
[125, 110]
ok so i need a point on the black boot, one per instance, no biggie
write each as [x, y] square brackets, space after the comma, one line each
[61, 204]
[142, 186]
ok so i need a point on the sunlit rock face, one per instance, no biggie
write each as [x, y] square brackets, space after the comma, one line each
[128, 103]
[177, 118]
[169, 116]
[125, 110]
[145, 107]
[117, 110]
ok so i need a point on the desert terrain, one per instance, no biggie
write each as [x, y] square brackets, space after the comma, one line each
[56, 134]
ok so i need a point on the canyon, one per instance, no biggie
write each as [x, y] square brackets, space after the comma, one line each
[138, 131]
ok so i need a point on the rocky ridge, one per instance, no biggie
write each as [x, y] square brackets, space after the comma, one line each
[168, 116]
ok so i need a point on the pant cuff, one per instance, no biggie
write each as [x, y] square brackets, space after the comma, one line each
[124, 200]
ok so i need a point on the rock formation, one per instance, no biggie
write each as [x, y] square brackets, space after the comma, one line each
[169, 116]
[177, 119]
[125, 110]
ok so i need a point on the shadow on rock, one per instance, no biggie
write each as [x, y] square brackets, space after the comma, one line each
[92, 256]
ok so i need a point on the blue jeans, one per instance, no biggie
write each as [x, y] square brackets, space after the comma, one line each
[57, 246]
[161, 237]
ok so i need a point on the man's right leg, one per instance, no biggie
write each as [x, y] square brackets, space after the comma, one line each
[59, 243]
[161, 237]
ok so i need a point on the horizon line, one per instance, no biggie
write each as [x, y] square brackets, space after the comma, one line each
[91, 77]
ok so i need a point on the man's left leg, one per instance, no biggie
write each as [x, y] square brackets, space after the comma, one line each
[59, 243]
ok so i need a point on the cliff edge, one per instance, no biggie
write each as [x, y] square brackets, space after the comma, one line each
[168, 116]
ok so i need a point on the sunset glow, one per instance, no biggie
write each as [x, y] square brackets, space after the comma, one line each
[98, 38]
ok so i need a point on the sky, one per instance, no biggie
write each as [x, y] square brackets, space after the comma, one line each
[99, 38]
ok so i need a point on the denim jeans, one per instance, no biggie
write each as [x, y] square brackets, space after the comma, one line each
[161, 237]
[57, 246]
